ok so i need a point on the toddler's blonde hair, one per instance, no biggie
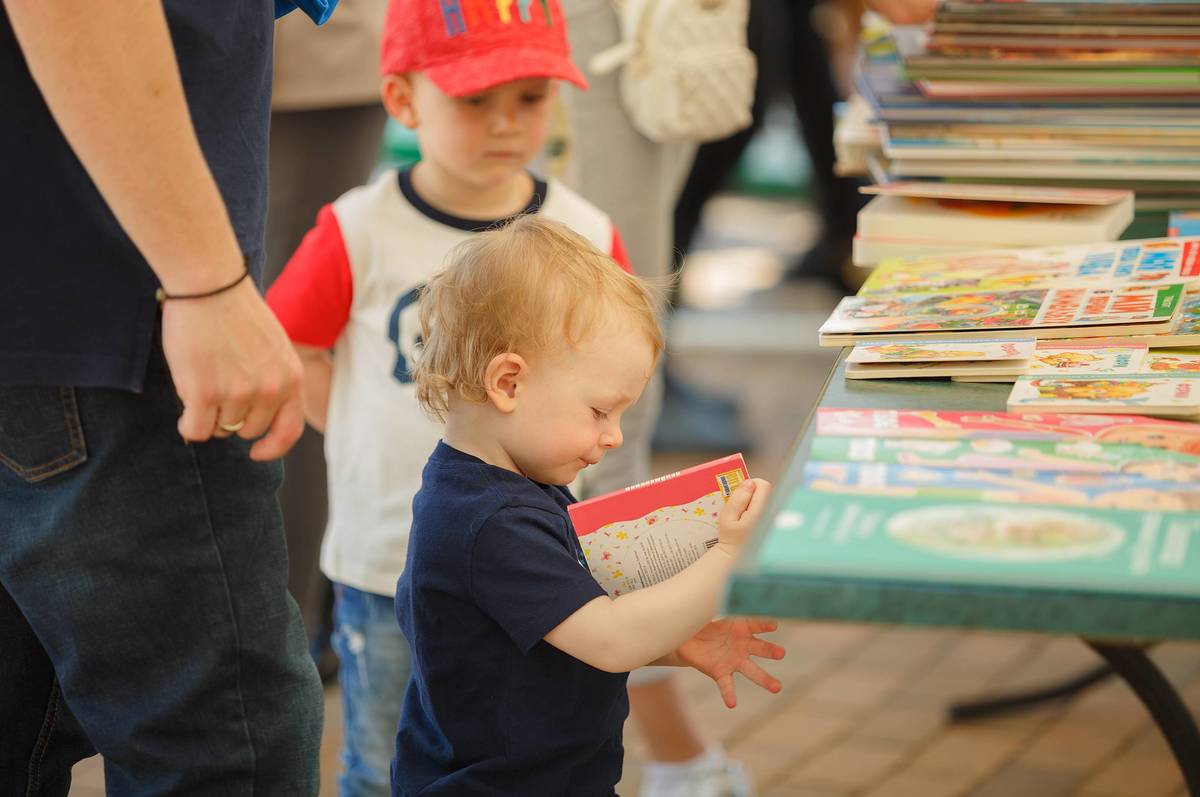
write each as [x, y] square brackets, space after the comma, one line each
[529, 287]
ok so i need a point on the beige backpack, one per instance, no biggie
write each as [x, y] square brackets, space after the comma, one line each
[687, 74]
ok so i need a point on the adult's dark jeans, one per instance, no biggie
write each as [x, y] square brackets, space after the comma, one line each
[144, 611]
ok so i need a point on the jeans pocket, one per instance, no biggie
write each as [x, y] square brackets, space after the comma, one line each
[40, 432]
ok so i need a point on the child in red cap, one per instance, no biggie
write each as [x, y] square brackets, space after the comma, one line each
[475, 80]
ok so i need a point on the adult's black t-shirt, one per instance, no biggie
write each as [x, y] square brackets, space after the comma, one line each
[77, 302]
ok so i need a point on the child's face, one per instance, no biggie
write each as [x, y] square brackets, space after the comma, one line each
[568, 411]
[482, 139]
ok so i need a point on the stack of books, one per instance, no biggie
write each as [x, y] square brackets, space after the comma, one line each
[1107, 327]
[908, 218]
[1103, 94]
[1013, 520]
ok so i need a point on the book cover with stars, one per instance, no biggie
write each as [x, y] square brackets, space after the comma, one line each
[647, 533]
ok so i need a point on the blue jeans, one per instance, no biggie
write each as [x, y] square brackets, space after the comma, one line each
[144, 613]
[374, 672]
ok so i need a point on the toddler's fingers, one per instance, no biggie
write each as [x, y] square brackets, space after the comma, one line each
[766, 650]
[761, 677]
[728, 692]
[739, 499]
[762, 625]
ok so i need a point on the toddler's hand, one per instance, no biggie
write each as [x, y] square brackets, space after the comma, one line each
[725, 646]
[742, 511]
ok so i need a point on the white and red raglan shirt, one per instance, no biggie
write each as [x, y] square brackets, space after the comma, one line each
[351, 287]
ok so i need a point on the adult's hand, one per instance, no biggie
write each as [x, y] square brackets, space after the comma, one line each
[233, 364]
[904, 12]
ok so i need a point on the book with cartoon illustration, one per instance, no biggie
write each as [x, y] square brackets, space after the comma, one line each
[1143, 262]
[992, 453]
[968, 563]
[1185, 331]
[646, 533]
[1166, 395]
[1060, 488]
[1141, 430]
[1084, 356]
[1173, 361]
[939, 358]
[1069, 312]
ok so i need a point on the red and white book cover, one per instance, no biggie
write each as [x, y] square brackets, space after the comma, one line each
[647, 533]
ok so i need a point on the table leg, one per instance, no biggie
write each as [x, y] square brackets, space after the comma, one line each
[1169, 712]
[983, 707]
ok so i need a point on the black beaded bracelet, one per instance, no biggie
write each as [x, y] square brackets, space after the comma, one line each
[162, 296]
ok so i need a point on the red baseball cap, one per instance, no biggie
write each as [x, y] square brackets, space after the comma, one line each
[467, 46]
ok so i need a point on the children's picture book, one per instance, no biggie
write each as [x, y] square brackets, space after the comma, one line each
[1180, 436]
[1054, 549]
[1167, 395]
[1173, 361]
[647, 533]
[924, 351]
[939, 358]
[1185, 331]
[1183, 223]
[991, 453]
[1150, 261]
[1068, 312]
[1061, 488]
[1085, 356]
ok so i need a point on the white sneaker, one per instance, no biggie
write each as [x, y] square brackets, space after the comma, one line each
[708, 775]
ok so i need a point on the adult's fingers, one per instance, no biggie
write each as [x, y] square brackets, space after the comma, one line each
[231, 413]
[198, 420]
[286, 427]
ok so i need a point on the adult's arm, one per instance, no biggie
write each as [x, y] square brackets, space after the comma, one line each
[109, 75]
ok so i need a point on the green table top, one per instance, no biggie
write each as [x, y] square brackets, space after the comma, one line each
[837, 588]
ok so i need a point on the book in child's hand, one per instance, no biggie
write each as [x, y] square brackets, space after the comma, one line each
[1167, 395]
[649, 532]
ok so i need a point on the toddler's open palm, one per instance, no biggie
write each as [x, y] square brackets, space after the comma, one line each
[724, 647]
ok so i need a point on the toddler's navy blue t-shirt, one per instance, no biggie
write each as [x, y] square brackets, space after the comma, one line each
[492, 709]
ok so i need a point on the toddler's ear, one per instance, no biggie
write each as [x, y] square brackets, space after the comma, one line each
[502, 380]
[397, 94]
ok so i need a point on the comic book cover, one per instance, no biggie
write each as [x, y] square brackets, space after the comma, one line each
[1178, 436]
[942, 351]
[1154, 395]
[1184, 331]
[1087, 356]
[1045, 312]
[1173, 361]
[646, 533]
[991, 453]
[1149, 261]
[1062, 488]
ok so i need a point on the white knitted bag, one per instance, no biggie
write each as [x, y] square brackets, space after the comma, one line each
[687, 73]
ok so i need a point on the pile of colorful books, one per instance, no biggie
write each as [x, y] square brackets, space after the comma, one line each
[910, 218]
[1099, 94]
[1090, 514]
[1107, 327]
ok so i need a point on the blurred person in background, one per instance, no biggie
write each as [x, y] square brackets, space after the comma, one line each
[326, 128]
